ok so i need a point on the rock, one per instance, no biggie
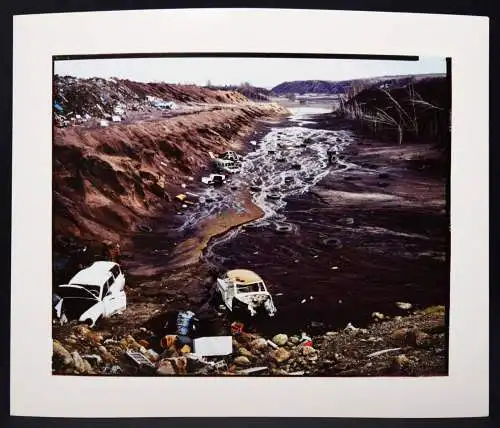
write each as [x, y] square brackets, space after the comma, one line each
[180, 364]
[258, 344]
[82, 330]
[308, 351]
[278, 372]
[280, 355]
[246, 353]
[61, 354]
[404, 305]
[399, 363]
[242, 361]
[165, 368]
[79, 362]
[280, 339]
[144, 343]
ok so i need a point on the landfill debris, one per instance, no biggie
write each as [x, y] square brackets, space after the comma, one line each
[213, 346]
[305, 340]
[139, 359]
[185, 322]
[144, 228]
[184, 198]
[242, 289]
[215, 179]
[384, 351]
[404, 305]
[168, 341]
[253, 143]
[299, 373]
[104, 123]
[272, 344]
[252, 370]
[378, 316]
[229, 162]
[237, 327]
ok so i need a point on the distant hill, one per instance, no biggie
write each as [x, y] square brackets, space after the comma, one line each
[344, 86]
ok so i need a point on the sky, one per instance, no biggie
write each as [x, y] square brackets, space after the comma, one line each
[263, 72]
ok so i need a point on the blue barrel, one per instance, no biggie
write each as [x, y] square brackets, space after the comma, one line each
[184, 319]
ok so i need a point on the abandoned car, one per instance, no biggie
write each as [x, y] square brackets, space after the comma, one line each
[93, 293]
[242, 289]
[229, 162]
[215, 179]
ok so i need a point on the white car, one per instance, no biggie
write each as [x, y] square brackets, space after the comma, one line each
[244, 289]
[93, 293]
[214, 179]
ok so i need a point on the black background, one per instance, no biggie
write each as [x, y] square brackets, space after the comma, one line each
[8, 8]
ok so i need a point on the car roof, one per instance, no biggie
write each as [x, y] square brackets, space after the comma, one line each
[243, 276]
[96, 274]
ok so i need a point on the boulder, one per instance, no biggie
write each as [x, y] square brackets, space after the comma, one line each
[280, 339]
[79, 362]
[246, 353]
[180, 364]
[165, 368]
[258, 344]
[61, 355]
[242, 361]
[280, 355]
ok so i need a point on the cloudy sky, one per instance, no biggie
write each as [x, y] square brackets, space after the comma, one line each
[265, 72]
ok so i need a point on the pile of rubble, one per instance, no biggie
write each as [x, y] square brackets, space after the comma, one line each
[405, 346]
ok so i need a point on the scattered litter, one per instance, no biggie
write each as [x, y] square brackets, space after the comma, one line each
[350, 327]
[116, 118]
[272, 344]
[215, 179]
[185, 322]
[252, 370]
[384, 351]
[184, 206]
[114, 370]
[253, 143]
[378, 316]
[104, 123]
[183, 185]
[311, 297]
[335, 267]
[300, 373]
[139, 359]
[144, 228]
[305, 340]
[303, 301]
[93, 357]
[237, 327]
[213, 346]
[279, 294]
[404, 305]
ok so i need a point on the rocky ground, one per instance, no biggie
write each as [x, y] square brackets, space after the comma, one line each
[414, 345]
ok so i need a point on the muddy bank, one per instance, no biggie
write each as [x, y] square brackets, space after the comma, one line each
[114, 183]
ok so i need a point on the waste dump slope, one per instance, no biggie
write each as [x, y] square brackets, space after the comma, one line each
[106, 181]
[98, 97]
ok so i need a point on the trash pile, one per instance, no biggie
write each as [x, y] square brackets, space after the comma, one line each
[413, 345]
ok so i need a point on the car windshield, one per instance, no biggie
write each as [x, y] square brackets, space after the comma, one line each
[86, 291]
[250, 288]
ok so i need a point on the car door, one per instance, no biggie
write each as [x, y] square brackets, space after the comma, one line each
[115, 301]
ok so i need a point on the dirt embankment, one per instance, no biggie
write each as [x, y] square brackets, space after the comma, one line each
[107, 182]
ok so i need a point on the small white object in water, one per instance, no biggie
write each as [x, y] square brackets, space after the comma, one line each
[183, 185]
[303, 301]
[254, 143]
[311, 298]
[340, 301]
[335, 267]
[184, 206]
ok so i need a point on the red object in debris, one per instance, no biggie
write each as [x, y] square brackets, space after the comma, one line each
[237, 327]
[307, 343]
